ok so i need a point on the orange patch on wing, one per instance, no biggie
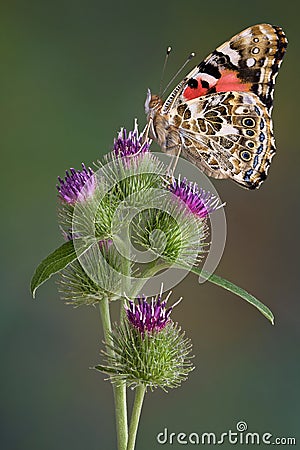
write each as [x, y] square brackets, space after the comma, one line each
[190, 93]
[230, 82]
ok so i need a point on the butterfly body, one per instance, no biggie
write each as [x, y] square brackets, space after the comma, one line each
[219, 115]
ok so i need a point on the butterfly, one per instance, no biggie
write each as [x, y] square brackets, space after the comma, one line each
[219, 116]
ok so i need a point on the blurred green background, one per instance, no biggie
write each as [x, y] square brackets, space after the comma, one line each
[72, 74]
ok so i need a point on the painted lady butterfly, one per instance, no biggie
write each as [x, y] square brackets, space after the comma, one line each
[219, 115]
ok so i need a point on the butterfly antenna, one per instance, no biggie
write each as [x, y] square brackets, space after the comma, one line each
[178, 72]
[164, 69]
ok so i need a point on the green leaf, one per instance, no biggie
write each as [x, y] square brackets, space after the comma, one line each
[236, 290]
[57, 261]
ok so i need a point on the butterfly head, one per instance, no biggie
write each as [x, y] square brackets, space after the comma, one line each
[152, 104]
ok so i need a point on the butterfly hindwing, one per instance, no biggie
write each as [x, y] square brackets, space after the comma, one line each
[227, 135]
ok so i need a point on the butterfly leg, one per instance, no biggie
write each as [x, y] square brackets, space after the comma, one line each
[174, 161]
[147, 131]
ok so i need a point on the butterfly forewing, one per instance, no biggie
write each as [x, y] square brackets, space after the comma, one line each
[248, 62]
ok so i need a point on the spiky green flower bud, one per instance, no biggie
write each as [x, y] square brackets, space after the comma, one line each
[148, 348]
[78, 288]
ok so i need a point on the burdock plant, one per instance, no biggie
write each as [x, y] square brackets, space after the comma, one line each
[128, 226]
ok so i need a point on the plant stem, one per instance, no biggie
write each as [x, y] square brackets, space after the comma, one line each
[150, 272]
[135, 417]
[119, 390]
[105, 317]
[121, 395]
[121, 415]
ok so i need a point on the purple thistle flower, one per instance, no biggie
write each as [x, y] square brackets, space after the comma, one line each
[130, 144]
[105, 244]
[77, 185]
[150, 316]
[200, 202]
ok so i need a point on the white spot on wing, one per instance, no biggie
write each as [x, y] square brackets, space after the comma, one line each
[245, 33]
[209, 78]
[233, 55]
[215, 100]
[194, 108]
[250, 62]
[248, 99]
[240, 110]
[227, 129]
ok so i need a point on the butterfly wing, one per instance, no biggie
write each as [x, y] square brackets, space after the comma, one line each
[222, 107]
[249, 62]
[227, 135]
